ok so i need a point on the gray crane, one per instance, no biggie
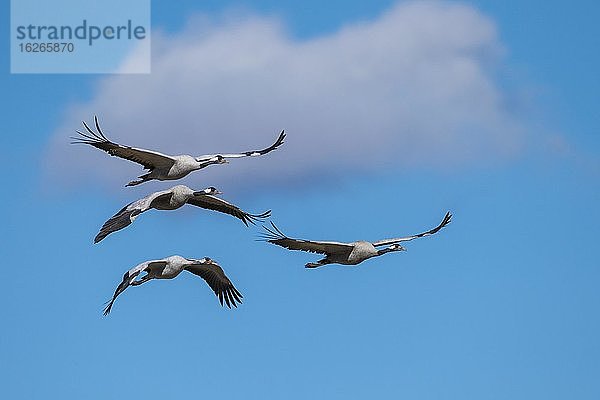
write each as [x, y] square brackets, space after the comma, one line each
[170, 267]
[344, 253]
[171, 199]
[160, 166]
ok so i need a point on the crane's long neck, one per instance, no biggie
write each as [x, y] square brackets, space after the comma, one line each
[394, 247]
[204, 164]
[384, 251]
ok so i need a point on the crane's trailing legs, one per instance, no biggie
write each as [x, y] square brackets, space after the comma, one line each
[318, 264]
[143, 279]
[141, 179]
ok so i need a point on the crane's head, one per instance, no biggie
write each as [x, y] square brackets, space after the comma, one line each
[206, 261]
[201, 261]
[211, 190]
[219, 159]
[389, 249]
[396, 247]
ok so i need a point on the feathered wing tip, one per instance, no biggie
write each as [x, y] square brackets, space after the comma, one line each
[231, 295]
[278, 142]
[91, 136]
[253, 218]
[122, 286]
[218, 281]
[101, 235]
[108, 307]
[447, 219]
[271, 234]
[117, 222]
[125, 283]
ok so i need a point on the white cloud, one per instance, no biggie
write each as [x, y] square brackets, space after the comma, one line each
[414, 88]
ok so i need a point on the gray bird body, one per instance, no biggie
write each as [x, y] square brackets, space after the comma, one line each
[162, 167]
[344, 253]
[361, 251]
[171, 267]
[172, 199]
[181, 167]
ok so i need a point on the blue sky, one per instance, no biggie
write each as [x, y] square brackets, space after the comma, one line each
[501, 304]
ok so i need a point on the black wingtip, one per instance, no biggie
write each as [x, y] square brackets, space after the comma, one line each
[91, 137]
[447, 218]
[98, 128]
[108, 307]
[270, 234]
[236, 295]
[86, 138]
[277, 229]
[263, 215]
[280, 139]
[99, 237]
[253, 218]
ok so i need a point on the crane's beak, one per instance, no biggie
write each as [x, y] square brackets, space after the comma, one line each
[202, 193]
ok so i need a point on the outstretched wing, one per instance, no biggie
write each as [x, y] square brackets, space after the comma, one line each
[251, 153]
[130, 277]
[275, 236]
[215, 277]
[128, 214]
[149, 159]
[118, 221]
[445, 221]
[214, 203]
